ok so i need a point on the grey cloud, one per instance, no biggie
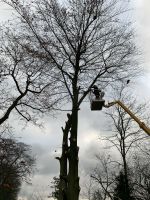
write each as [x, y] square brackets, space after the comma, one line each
[37, 149]
[45, 159]
[91, 120]
[48, 166]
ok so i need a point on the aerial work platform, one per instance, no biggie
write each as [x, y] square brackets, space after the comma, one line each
[96, 98]
[97, 104]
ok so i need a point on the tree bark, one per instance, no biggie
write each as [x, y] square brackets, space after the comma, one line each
[125, 169]
[73, 179]
[63, 162]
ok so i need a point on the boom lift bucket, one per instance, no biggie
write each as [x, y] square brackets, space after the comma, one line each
[96, 103]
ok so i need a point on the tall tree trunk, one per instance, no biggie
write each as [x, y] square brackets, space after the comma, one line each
[73, 179]
[63, 183]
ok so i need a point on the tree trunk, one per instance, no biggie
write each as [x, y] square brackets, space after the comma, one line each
[73, 179]
[127, 191]
[63, 162]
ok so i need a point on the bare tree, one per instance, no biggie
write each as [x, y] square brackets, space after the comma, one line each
[127, 135]
[141, 172]
[104, 176]
[83, 42]
[88, 189]
[16, 165]
[121, 191]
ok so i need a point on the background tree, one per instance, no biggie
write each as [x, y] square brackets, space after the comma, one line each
[128, 141]
[127, 132]
[121, 190]
[104, 175]
[16, 165]
[141, 171]
[11, 187]
[83, 42]
[55, 186]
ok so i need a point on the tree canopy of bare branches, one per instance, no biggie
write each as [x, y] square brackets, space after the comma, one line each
[24, 82]
[78, 43]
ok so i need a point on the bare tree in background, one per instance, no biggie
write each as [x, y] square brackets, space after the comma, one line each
[104, 176]
[16, 165]
[141, 171]
[127, 139]
[127, 132]
[83, 43]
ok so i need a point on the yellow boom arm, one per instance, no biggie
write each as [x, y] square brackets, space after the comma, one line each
[140, 123]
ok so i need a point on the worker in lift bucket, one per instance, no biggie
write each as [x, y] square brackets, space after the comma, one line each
[97, 92]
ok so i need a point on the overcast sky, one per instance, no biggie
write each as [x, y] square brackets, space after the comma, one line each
[45, 142]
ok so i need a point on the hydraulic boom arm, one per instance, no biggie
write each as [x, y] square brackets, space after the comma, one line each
[140, 123]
